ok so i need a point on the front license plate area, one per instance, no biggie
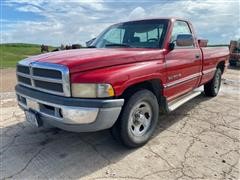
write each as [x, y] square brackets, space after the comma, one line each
[32, 118]
[32, 104]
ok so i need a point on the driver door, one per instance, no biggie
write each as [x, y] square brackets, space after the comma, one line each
[183, 65]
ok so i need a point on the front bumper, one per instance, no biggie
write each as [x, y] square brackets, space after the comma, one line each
[71, 114]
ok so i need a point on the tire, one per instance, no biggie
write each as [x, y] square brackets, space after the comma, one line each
[211, 89]
[138, 119]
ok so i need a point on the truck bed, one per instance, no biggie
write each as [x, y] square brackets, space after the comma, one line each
[211, 57]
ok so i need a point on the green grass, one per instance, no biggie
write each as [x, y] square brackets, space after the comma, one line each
[11, 53]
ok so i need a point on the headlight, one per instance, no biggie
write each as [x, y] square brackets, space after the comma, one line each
[86, 90]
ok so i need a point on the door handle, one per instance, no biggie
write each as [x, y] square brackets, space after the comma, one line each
[197, 56]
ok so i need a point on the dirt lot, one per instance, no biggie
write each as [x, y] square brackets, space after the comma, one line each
[200, 140]
[8, 79]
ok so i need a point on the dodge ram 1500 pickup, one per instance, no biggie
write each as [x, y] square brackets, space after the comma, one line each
[130, 73]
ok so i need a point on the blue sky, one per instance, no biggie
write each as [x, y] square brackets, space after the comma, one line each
[60, 21]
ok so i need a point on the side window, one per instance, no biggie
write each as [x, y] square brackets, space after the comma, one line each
[179, 27]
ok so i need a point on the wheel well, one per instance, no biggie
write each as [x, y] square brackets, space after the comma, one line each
[153, 85]
[221, 66]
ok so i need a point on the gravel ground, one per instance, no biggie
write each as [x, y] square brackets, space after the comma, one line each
[200, 140]
[7, 79]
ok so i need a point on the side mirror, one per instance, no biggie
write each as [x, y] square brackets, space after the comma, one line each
[184, 40]
[88, 43]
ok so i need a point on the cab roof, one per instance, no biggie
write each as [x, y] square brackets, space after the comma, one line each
[158, 18]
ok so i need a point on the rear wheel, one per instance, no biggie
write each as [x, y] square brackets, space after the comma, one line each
[138, 119]
[212, 88]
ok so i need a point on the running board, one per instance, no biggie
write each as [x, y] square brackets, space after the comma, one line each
[183, 99]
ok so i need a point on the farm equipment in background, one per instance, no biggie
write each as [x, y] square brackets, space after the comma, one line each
[234, 49]
[44, 48]
[67, 47]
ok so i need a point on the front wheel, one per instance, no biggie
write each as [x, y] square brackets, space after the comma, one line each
[138, 119]
[212, 88]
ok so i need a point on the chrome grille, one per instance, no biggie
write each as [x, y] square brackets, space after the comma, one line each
[46, 77]
[23, 69]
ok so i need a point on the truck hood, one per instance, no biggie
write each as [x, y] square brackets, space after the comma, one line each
[88, 59]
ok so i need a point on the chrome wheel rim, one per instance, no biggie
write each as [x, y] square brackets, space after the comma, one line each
[140, 118]
[217, 83]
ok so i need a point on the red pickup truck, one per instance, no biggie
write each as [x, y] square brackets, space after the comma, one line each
[131, 72]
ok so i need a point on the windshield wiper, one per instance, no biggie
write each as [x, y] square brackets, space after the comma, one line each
[116, 44]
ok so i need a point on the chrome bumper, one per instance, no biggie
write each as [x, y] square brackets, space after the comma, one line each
[82, 115]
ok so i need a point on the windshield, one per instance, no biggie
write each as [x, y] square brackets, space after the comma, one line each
[135, 34]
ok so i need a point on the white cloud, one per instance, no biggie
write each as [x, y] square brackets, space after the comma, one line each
[29, 8]
[137, 13]
[79, 20]
[33, 2]
[67, 23]
[210, 18]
